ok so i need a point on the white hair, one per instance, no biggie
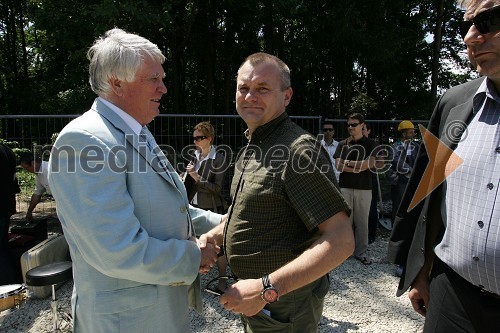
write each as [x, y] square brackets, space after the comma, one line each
[118, 55]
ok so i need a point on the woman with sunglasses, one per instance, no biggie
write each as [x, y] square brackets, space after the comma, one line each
[204, 178]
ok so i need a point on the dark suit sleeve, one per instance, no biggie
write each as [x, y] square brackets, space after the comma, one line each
[408, 237]
[8, 180]
[416, 232]
[405, 222]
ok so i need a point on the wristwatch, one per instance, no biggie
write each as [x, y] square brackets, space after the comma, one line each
[269, 294]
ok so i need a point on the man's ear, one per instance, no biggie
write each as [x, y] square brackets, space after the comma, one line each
[116, 86]
[288, 95]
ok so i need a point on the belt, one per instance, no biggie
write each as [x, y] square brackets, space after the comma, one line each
[463, 282]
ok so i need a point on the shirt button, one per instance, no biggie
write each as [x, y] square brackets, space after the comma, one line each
[480, 224]
[475, 258]
[490, 186]
[183, 209]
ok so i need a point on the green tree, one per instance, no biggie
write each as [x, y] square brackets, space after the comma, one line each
[388, 58]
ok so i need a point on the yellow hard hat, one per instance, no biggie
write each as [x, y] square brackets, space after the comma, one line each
[405, 124]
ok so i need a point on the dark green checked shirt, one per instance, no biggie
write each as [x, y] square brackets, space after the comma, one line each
[287, 189]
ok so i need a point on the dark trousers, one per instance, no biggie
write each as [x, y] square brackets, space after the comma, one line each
[296, 312]
[397, 192]
[7, 268]
[458, 306]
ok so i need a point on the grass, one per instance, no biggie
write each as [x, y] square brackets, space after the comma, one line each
[26, 182]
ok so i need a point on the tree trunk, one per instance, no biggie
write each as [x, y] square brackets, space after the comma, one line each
[437, 48]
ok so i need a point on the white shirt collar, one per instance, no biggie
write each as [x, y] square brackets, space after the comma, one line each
[211, 153]
[128, 119]
[324, 143]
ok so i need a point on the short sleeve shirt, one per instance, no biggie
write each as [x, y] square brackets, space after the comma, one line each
[283, 188]
[42, 179]
[356, 151]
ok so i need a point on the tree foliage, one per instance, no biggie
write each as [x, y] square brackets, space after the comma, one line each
[376, 57]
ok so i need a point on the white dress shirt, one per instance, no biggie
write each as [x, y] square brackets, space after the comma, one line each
[471, 243]
[331, 148]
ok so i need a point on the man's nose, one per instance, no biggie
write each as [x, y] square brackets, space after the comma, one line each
[473, 36]
[251, 95]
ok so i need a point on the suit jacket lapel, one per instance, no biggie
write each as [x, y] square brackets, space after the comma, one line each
[456, 123]
[205, 168]
[131, 137]
[458, 118]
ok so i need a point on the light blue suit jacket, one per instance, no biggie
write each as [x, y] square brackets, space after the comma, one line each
[127, 225]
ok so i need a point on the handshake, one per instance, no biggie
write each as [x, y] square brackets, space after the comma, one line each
[210, 252]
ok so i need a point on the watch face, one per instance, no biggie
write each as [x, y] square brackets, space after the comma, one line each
[270, 295]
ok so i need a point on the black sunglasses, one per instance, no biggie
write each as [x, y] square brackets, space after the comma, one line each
[353, 125]
[327, 129]
[199, 138]
[487, 21]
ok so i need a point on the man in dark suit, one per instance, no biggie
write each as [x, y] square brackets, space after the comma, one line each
[7, 208]
[449, 242]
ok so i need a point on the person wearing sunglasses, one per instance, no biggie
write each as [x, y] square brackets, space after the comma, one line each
[206, 171]
[204, 179]
[449, 243]
[288, 225]
[330, 143]
[355, 157]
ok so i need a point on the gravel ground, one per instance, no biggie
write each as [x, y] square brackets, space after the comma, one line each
[361, 299]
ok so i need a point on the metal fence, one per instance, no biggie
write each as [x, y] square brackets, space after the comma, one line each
[175, 131]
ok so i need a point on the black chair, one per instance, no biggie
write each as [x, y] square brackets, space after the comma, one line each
[51, 274]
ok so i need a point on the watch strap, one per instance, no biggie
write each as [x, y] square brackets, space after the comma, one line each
[268, 287]
[265, 281]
